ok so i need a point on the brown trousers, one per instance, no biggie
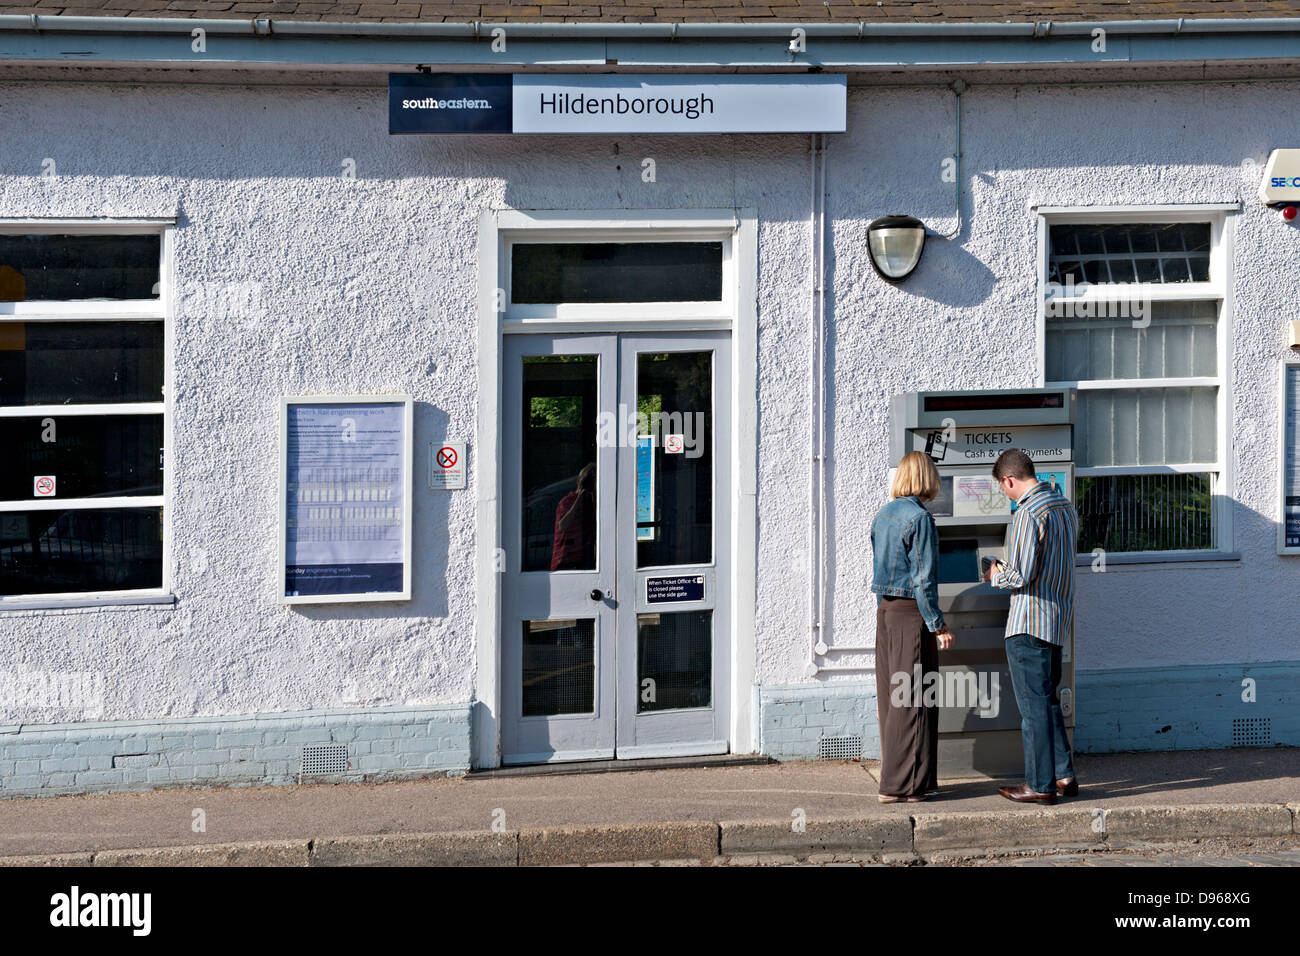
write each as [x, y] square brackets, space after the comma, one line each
[909, 735]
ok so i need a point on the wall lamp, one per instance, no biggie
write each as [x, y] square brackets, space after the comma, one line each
[895, 244]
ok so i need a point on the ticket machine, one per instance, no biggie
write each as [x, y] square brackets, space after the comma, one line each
[963, 433]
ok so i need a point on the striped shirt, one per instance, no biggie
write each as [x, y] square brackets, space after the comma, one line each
[1039, 570]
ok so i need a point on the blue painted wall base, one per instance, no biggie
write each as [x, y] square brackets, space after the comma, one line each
[1188, 708]
[1183, 708]
[389, 743]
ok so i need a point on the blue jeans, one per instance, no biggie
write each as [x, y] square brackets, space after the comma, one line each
[1036, 675]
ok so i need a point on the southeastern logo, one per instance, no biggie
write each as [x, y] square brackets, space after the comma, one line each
[430, 103]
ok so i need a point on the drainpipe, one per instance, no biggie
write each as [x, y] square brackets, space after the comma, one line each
[958, 88]
[813, 624]
[817, 401]
[822, 337]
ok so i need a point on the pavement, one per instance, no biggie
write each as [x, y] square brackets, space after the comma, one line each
[797, 810]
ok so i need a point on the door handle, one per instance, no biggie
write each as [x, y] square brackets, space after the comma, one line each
[598, 595]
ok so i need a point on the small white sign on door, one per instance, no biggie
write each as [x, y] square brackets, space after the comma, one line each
[43, 486]
[674, 444]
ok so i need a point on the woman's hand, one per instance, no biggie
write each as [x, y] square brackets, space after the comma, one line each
[945, 639]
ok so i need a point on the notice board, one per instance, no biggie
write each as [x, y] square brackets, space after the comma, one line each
[345, 498]
[1288, 532]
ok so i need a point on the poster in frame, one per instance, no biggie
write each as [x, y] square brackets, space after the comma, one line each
[345, 498]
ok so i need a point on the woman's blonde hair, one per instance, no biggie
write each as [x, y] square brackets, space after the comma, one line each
[916, 475]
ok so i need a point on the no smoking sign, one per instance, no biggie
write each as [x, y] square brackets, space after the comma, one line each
[43, 486]
[447, 465]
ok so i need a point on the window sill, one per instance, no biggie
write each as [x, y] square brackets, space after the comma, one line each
[1159, 557]
[36, 603]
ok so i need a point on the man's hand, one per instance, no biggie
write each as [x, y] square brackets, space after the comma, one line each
[945, 638]
[994, 568]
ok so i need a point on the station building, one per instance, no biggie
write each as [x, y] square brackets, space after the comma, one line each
[346, 440]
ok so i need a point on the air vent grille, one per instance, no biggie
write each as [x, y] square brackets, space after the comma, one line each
[1251, 732]
[324, 758]
[839, 748]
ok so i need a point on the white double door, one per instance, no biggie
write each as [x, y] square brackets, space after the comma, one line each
[615, 629]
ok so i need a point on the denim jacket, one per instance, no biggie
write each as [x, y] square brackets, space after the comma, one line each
[905, 546]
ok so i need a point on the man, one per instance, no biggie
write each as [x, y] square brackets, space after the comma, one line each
[1039, 572]
[574, 545]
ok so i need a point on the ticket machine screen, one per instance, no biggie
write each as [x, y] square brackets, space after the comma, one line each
[959, 561]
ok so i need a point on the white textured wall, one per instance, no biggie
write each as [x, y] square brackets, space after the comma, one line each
[966, 320]
[368, 286]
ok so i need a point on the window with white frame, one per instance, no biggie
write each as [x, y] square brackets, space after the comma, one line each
[688, 274]
[1134, 319]
[82, 370]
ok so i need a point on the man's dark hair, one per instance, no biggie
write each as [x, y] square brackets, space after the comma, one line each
[1014, 463]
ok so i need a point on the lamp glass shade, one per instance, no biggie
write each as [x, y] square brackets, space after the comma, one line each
[895, 244]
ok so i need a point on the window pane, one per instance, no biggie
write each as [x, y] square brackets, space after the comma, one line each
[674, 652]
[1155, 426]
[559, 668]
[1145, 252]
[674, 391]
[63, 363]
[1144, 512]
[558, 466]
[46, 552]
[39, 268]
[616, 272]
[1179, 340]
[86, 455]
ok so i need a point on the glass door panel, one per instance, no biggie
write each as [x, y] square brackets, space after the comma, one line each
[558, 466]
[674, 546]
[559, 668]
[674, 658]
[675, 400]
[558, 624]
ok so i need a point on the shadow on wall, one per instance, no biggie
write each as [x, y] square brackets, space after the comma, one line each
[430, 538]
[949, 275]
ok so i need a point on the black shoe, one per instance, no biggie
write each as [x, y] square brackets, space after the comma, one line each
[1022, 794]
[1068, 788]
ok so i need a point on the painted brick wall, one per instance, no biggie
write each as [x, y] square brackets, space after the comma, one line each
[1187, 708]
[794, 719]
[98, 757]
[1184, 708]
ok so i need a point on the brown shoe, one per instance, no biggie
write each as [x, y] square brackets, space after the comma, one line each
[1067, 788]
[1022, 794]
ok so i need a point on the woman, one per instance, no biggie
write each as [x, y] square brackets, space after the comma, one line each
[909, 632]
